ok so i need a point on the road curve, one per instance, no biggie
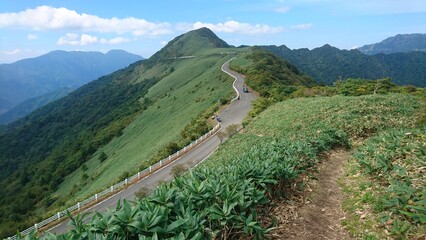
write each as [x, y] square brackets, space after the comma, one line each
[233, 114]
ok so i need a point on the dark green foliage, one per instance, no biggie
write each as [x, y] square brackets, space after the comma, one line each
[271, 76]
[358, 87]
[326, 64]
[102, 157]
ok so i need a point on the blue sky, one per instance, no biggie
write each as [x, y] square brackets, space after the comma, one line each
[32, 28]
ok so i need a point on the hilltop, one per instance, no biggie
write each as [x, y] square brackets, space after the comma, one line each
[399, 43]
[34, 77]
[189, 44]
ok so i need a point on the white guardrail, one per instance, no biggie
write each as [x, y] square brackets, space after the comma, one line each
[234, 77]
[135, 178]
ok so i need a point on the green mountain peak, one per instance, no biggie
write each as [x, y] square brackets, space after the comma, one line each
[191, 43]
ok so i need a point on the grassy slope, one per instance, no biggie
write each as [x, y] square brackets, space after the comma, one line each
[223, 195]
[191, 84]
[305, 119]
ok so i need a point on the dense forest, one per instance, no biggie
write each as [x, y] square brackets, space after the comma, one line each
[327, 64]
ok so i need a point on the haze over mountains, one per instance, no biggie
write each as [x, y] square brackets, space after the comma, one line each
[398, 43]
[57, 70]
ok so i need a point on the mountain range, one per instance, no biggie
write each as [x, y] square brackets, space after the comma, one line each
[57, 70]
[398, 43]
[326, 64]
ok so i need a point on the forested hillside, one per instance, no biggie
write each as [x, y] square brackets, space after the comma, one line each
[328, 64]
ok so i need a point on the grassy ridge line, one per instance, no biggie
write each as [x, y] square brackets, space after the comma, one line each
[221, 198]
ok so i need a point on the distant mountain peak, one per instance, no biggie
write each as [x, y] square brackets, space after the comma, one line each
[190, 43]
[398, 43]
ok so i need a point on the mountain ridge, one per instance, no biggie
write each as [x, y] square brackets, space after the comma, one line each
[398, 43]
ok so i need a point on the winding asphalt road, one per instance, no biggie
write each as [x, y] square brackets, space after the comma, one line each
[234, 114]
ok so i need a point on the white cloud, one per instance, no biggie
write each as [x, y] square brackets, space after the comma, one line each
[32, 37]
[50, 18]
[63, 19]
[164, 42]
[13, 52]
[76, 40]
[237, 27]
[116, 40]
[283, 9]
[302, 26]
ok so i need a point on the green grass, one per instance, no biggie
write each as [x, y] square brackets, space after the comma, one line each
[196, 82]
[306, 119]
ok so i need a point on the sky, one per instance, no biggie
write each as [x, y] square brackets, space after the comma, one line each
[36, 27]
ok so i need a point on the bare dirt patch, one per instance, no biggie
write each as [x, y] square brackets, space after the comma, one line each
[315, 212]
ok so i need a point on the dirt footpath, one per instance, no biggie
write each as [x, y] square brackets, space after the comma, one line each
[315, 212]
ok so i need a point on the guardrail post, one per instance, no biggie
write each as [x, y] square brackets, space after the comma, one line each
[112, 188]
[177, 153]
[59, 215]
[126, 181]
[78, 206]
[170, 157]
[150, 168]
[36, 226]
[139, 174]
[184, 149]
[96, 197]
[196, 141]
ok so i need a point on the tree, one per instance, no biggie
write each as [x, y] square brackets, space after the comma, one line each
[102, 157]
